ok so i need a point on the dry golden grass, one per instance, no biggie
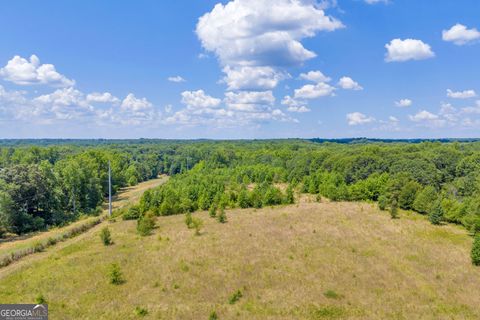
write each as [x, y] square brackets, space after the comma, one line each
[123, 198]
[306, 261]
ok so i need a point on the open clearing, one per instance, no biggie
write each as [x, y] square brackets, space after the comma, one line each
[121, 199]
[305, 261]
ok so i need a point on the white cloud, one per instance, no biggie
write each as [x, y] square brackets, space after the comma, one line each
[252, 78]
[28, 72]
[348, 84]
[314, 76]
[249, 100]
[311, 91]
[403, 103]
[408, 49]
[105, 97]
[135, 104]
[393, 119]
[460, 35]
[294, 105]
[168, 108]
[63, 104]
[461, 94]
[423, 115]
[176, 79]
[198, 99]
[266, 34]
[357, 118]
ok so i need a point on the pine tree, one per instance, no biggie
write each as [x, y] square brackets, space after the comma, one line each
[394, 209]
[213, 211]
[436, 213]
[105, 236]
[222, 217]
[188, 220]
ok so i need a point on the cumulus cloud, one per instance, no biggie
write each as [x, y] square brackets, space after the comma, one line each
[198, 99]
[105, 97]
[311, 91]
[29, 72]
[423, 115]
[409, 49]
[461, 94]
[262, 35]
[252, 78]
[460, 35]
[135, 104]
[357, 118]
[176, 79]
[294, 105]
[349, 84]
[314, 76]
[403, 103]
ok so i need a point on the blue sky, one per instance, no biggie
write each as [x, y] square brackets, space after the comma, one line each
[239, 69]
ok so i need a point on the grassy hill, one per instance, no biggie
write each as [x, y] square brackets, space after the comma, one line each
[305, 261]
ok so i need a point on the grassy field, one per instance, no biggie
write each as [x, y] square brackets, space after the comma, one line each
[121, 199]
[306, 261]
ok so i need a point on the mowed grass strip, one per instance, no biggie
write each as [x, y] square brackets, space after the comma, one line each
[305, 261]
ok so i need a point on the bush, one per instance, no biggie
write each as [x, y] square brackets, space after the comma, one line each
[476, 251]
[222, 217]
[40, 299]
[197, 224]
[189, 220]
[290, 197]
[115, 274]
[132, 213]
[213, 316]
[145, 225]
[382, 202]
[212, 211]
[105, 236]
[436, 213]
[394, 209]
[235, 297]
[140, 312]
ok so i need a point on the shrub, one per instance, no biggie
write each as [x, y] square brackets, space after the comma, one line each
[476, 250]
[189, 220]
[424, 200]
[290, 197]
[115, 274]
[394, 209]
[40, 299]
[38, 246]
[222, 216]
[212, 211]
[213, 315]
[197, 224]
[235, 297]
[132, 213]
[436, 213]
[140, 311]
[382, 202]
[332, 295]
[105, 236]
[145, 225]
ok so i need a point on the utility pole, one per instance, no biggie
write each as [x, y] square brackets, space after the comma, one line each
[109, 189]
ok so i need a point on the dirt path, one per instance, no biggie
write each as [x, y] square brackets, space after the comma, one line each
[123, 198]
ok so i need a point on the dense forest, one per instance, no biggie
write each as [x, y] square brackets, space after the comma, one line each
[54, 183]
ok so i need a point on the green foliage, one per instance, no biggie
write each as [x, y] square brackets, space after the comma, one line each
[212, 212]
[213, 315]
[40, 299]
[382, 202]
[475, 254]
[235, 297]
[140, 311]
[197, 224]
[394, 209]
[145, 225]
[115, 275]
[189, 220]
[105, 236]
[436, 213]
[222, 216]
[425, 199]
[132, 213]
[408, 194]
